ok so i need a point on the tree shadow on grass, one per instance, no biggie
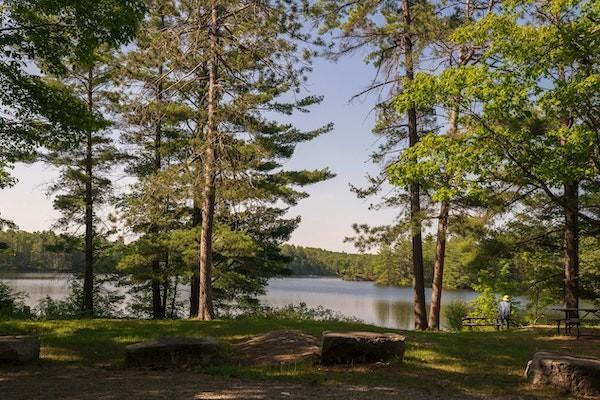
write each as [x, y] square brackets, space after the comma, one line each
[466, 365]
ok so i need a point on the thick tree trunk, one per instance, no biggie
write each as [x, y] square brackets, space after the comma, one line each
[195, 280]
[438, 268]
[415, 198]
[206, 309]
[571, 196]
[88, 279]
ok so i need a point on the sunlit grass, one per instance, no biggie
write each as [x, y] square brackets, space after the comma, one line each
[477, 362]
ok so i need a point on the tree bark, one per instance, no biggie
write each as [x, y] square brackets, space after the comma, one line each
[158, 308]
[440, 246]
[415, 198]
[571, 228]
[206, 309]
[438, 268]
[420, 310]
[88, 279]
[165, 288]
[195, 280]
[571, 194]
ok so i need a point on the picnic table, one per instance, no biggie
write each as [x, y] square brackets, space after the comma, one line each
[470, 322]
[573, 318]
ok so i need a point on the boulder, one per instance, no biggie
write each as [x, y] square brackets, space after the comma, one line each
[360, 347]
[19, 349]
[174, 352]
[578, 375]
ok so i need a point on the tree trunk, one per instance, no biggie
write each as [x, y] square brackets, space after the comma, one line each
[415, 199]
[571, 195]
[438, 268]
[165, 289]
[440, 246]
[174, 297]
[206, 309]
[195, 280]
[88, 279]
[158, 308]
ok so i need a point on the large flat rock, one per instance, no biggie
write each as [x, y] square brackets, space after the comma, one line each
[19, 349]
[578, 375]
[360, 347]
[174, 352]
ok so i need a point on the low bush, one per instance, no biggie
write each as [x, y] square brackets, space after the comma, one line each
[297, 312]
[455, 312]
[12, 303]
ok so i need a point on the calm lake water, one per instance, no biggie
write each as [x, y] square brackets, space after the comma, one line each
[379, 305]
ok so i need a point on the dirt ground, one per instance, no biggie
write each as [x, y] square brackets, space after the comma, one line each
[70, 383]
[59, 382]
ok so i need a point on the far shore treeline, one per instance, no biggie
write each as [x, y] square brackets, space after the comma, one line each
[47, 251]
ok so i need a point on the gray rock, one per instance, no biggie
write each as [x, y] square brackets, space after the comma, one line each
[578, 375]
[19, 349]
[360, 347]
[174, 352]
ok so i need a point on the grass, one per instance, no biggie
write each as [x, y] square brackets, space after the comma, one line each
[474, 363]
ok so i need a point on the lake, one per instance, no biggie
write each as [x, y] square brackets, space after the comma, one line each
[379, 305]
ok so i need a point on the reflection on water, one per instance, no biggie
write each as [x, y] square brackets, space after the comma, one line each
[379, 305]
[38, 285]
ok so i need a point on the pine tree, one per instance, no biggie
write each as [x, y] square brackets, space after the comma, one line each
[84, 185]
[225, 72]
[396, 36]
[153, 119]
[440, 180]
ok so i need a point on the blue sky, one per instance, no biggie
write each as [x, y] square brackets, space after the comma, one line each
[328, 214]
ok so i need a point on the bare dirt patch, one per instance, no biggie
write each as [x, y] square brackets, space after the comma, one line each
[276, 348]
[72, 383]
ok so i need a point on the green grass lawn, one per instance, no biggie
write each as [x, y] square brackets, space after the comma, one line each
[478, 362]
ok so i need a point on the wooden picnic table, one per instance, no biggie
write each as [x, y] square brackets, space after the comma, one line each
[573, 319]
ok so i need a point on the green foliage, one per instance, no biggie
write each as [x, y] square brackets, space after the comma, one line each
[261, 61]
[45, 34]
[294, 312]
[313, 261]
[47, 251]
[455, 312]
[38, 251]
[590, 268]
[12, 304]
[485, 305]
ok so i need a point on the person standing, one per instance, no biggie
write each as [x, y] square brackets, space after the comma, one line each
[504, 311]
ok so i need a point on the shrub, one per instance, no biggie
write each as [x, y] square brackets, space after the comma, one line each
[299, 312]
[485, 305]
[455, 312]
[49, 308]
[12, 303]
